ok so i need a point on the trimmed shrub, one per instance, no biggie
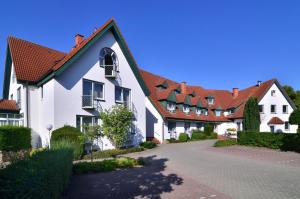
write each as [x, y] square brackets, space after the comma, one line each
[112, 153]
[223, 143]
[105, 165]
[198, 135]
[251, 115]
[208, 129]
[295, 118]
[44, 175]
[283, 141]
[183, 137]
[213, 136]
[14, 138]
[148, 144]
[68, 135]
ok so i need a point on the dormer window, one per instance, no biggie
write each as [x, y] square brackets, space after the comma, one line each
[186, 109]
[205, 111]
[198, 111]
[109, 61]
[210, 100]
[171, 106]
[218, 113]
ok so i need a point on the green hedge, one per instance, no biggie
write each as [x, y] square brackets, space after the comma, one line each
[183, 137]
[14, 138]
[44, 175]
[223, 143]
[112, 153]
[208, 129]
[283, 141]
[72, 136]
[197, 135]
[148, 144]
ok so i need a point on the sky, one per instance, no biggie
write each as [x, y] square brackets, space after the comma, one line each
[215, 44]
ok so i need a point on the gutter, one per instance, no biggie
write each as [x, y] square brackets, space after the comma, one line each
[27, 106]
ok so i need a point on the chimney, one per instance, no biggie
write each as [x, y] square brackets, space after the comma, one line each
[258, 83]
[183, 87]
[78, 39]
[235, 92]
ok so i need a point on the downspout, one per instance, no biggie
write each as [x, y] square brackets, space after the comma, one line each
[27, 106]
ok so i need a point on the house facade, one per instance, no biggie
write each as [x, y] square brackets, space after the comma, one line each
[55, 88]
[174, 108]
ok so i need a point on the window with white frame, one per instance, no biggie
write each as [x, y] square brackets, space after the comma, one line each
[198, 111]
[286, 125]
[83, 122]
[261, 108]
[218, 113]
[171, 106]
[91, 91]
[273, 93]
[186, 109]
[285, 109]
[273, 108]
[210, 100]
[205, 111]
[122, 96]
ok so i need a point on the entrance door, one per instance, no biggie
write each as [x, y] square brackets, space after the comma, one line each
[172, 129]
[272, 128]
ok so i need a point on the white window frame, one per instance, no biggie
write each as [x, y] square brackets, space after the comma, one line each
[185, 108]
[219, 113]
[287, 109]
[210, 101]
[93, 89]
[171, 106]
[81, 121]
[274, 108]
[122, 96]
[198, 111]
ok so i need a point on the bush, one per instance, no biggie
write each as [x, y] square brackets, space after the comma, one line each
[14, 138]
[68, 135]
[173, 140]
[44, 175]
[285, 142]
[112, 153]
[183, 137]
[295, 118]
[222, 143]
[212, 136]
[36, 151]
[198, 135]
[208, 129]
[148, 144]
[105, 165]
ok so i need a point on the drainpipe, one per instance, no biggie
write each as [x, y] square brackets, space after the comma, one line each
[27, 106]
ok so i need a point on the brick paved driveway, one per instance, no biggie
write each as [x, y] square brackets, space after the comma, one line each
[197, 170]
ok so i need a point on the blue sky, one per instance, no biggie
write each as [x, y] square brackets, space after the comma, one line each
[215, 44]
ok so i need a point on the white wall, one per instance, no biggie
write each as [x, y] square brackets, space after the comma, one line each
[154, 122]
[278, 100]
[68, 88]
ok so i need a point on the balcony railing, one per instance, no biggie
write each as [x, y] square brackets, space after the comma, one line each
[87, 101]
[110, 71]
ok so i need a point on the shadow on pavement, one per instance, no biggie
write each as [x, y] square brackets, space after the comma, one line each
[148, 181]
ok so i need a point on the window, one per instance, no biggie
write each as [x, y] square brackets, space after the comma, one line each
[273, 108]
[11, 96]
[284, 109]
[83, 122]
[171, 106]
[108, 60]
[261, 108]
[238, 126]
[187, 126]
[273, 93]
[205, 111]
[199, 125]
[19, 97]
[198, 111]
[210, 101]
[286, 125]
[218, 113]
[91, 91]
[186, 108]
[122, 96]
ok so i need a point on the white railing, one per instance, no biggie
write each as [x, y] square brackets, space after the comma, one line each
[110, 70]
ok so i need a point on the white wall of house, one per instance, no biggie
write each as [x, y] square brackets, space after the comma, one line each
[221, 128]
[279, 100]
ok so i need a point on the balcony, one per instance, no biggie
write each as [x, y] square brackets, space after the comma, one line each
[110, 71]
[87, 102]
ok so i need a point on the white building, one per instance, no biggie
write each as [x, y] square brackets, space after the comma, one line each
[174, 108]
[56, 88]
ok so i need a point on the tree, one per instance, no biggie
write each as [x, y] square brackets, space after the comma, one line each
[116, 123]
[251, 115]
[295, 118]
[92, 133]
[294, 95]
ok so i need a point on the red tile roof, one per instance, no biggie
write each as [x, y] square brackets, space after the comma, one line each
[8, 105]
[223, 98]
[275, 120]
